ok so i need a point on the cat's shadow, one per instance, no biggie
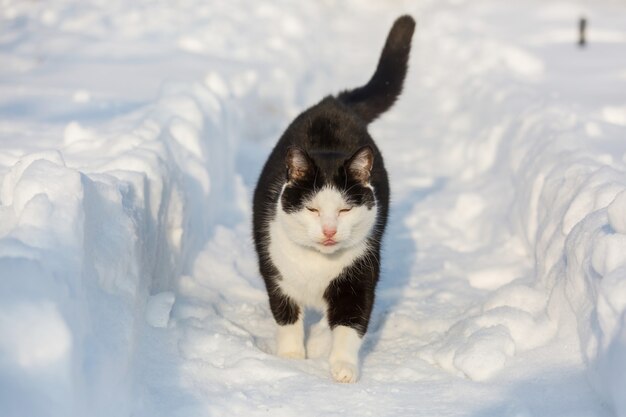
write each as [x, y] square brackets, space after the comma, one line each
[398, 258]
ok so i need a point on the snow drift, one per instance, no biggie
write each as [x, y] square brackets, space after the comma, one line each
[86, 240]
[556, 173]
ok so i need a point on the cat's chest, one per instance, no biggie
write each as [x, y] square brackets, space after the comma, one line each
[306, 273]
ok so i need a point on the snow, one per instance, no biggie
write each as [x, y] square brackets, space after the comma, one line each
[132, 136]
[159, 307]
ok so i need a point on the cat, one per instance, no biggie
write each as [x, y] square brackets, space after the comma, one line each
[319, 213]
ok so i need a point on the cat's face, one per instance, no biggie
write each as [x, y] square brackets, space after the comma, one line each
[328, 204]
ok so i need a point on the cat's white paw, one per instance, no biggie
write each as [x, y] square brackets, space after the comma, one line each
[344, 371]
[290, 341]
[289, 348]
[292, 353]
[318, 344]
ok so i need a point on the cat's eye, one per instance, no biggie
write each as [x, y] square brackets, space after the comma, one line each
[345, 210]
[312, 210]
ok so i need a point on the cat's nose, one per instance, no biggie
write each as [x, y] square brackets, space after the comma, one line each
[329, 231]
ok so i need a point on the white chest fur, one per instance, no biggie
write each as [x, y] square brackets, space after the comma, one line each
[306, 272]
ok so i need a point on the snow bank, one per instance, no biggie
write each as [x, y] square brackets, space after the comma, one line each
[570, 186]
[88, 232]
[572, 205]
[519, 155]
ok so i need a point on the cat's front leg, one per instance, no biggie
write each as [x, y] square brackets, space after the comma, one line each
[290, 340]
[350, 300]
[290, 320]
[344, 354]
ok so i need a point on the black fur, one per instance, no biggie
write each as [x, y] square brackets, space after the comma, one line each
[350, 297]
[379, 94]
[318, 148]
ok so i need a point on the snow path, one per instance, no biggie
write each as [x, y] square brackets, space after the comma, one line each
[129, 282]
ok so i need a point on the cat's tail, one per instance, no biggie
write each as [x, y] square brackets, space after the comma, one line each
[382, 90]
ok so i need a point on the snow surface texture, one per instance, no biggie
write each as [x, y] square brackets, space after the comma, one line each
[132, 135]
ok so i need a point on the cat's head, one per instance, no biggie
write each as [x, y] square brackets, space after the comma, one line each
[328, 202]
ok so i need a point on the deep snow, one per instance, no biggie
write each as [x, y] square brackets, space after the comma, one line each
[132, 135]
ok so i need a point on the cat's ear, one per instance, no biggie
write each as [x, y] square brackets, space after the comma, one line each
[299, 164]
[359, 165]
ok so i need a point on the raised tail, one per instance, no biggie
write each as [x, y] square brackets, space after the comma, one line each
[382, 90]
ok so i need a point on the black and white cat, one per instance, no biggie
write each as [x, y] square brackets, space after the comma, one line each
[320, 210]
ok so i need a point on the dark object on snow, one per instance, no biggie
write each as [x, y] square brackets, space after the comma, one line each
[582, 27]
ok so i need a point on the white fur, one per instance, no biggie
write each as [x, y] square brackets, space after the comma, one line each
[306, 228]
[344, 355]
[305, 271]
[305, 264]
[290, 340]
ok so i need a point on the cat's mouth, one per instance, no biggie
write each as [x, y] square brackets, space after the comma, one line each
[329, 242]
